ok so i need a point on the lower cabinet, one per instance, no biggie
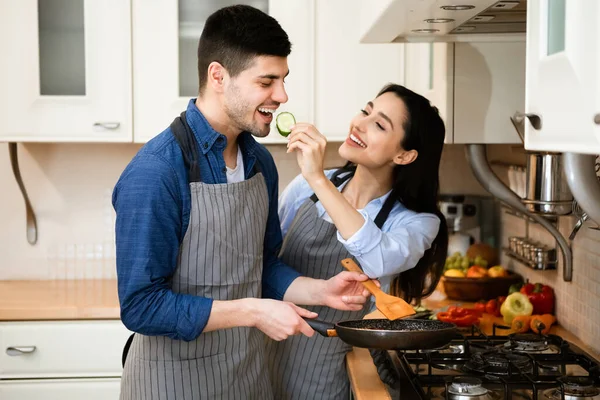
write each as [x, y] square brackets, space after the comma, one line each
[60, 389]
[61, 359]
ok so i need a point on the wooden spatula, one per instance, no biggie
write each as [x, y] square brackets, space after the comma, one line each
[391, 306]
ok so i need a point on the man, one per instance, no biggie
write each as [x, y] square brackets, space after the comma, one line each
[198, 233]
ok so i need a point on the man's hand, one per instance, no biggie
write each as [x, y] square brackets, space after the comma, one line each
[345, 291]
[280, 319]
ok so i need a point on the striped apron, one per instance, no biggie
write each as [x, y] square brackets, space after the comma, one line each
[313, 368]
[221, 257]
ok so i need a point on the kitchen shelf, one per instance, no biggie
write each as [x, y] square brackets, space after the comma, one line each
[550, 265]
[508, 210]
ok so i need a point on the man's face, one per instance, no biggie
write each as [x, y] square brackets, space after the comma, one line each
[254, 95]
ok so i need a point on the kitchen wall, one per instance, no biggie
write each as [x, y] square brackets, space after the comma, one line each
[70, 187]
[577, 302]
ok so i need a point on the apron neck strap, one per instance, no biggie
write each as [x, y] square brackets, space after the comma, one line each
[189, 146]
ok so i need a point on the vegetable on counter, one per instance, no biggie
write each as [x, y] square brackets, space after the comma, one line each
[515, 288]
[541, 296]
[460, 316]
[520, 324]
[541, 323]
[480, 306]
[492, 307]
[515, 304]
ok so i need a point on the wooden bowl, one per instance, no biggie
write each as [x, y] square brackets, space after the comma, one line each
[474, 289]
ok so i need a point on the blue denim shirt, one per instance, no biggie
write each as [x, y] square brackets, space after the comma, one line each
[152, 201]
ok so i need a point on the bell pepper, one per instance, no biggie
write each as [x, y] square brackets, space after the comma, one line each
[460, 316]
[515, 287]
[461, 311]
[480, 306]
[514, 305]
[542, 323]
[541, 296]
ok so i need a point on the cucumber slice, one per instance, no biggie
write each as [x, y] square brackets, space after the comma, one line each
[284, 122]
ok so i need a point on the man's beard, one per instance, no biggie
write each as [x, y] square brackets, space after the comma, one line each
[235, 108]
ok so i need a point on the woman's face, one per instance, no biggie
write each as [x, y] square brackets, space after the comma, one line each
[376, 133]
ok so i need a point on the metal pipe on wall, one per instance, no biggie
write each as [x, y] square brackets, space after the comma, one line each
[477, 158]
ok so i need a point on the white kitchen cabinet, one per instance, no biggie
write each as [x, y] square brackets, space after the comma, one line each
[61, 359]
[475, 86]
[65, 73]
[429, 71]
[165, 74]
[488, 85]
[563, 83]
[348, 74]
[61, 389]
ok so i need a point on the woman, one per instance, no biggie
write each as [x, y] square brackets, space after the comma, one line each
[380, 208]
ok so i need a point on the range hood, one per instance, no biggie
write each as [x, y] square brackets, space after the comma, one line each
[401, 21]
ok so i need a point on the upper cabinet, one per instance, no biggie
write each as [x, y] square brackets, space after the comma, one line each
[348, 74]
[475, 86]
[84, 70]
[165, 71]
[562, 107]
[429, 71]
[65, 73]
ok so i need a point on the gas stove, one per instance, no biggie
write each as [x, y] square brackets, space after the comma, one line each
[475, 366]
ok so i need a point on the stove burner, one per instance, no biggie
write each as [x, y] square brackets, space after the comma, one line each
[465, 387]
[527, 343]
[500, 363]
[575, 388]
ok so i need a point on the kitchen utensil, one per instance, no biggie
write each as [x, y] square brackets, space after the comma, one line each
[401, 334]
[547, 188]
[390, 306]
[475, 289]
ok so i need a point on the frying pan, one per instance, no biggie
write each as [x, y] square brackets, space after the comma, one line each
[400, 334]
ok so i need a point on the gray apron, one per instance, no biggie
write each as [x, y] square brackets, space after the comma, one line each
[221, 257]
[313, 368]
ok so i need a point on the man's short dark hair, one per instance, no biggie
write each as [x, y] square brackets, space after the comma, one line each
[233, 36]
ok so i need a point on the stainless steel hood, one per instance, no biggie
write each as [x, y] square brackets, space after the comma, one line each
[399, 21]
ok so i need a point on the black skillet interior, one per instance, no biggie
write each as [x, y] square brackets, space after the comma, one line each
[399, 325]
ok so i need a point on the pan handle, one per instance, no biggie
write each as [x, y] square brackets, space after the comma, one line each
[325, 328]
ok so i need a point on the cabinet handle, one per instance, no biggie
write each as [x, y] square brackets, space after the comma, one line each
[107, 125]
[597, 119]
[518, 120]
[19, 350]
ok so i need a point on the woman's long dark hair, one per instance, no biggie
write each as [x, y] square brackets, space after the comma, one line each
[416, 186]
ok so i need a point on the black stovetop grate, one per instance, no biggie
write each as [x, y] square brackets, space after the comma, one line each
[494, 361]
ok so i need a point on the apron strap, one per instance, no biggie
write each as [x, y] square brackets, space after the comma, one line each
[189, 146]
[382, 215]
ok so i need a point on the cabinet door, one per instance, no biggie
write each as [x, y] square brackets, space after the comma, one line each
[562, 76]
[165, 59]
[488, 87]
[429, 71]
[60, 389]
[348, 74]
[66, 70]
